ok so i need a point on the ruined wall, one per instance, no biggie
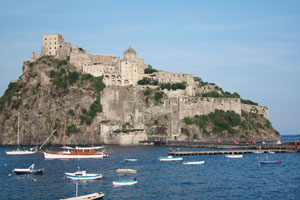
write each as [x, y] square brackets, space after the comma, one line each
[261, 110]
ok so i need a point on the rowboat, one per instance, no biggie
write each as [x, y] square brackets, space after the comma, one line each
[82, 175]
[170, 158]
[130, 160]
[93, 196]
[125, 182]
[233, 156]
[194, 163]
[29, 170]
[270, 162]
[258, 152]
[126, 170]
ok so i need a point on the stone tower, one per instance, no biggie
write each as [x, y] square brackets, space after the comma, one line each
[54, 45]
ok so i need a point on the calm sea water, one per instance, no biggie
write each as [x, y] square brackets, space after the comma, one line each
[218, 178]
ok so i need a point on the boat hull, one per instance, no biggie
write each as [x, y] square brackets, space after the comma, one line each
[84, 178]
[18, 152]
[132, 171]
[270, 162]
[194, 163]
[234, 156]
[170, 159]
[71, 156]
[26, 171]
[93, 196]
[123, 183]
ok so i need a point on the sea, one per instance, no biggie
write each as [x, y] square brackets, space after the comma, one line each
[218, 178]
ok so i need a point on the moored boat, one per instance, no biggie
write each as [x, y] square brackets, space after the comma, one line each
[29, 170]
[233, 156]
[170, 158]
[126, 170]
[76, 153]
[194, 163]
[130, 160]
[270, 162]
[82, 175]
[93, 196]
[258, 152]
[125, 182]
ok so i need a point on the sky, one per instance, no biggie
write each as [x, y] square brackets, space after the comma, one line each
[248, 47]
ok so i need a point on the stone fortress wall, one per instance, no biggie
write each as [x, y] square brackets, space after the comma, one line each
[130, 69]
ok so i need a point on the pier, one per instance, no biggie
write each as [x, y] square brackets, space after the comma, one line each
[195, 153]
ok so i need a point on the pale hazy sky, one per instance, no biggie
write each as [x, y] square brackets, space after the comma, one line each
[249, 47]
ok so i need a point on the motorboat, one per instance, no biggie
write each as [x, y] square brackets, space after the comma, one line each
[29, 170]
[125, 182]
[170, 158]
[270, 162]
[233, 156]
[126, 170]
[194, 163]
[76, 153]
[130, 160]
[93, 196]
[82, 175]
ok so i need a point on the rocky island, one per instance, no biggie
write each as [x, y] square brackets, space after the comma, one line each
[120, 101]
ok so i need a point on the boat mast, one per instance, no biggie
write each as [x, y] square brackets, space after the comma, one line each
[18, 137]
[65, 135]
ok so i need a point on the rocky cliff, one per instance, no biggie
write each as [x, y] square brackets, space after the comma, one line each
[52, 94]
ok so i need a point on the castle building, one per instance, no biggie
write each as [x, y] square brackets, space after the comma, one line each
[54, 45]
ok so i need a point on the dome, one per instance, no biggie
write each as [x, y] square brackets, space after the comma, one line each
[130, 51]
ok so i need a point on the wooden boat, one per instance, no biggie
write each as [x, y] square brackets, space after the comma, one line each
[170, 158]
[125, 182]
[93, 196]
[194, 163]
[82, 175]
[126, 170]
[233, 156]
[130, 160]
[21, 150]
[270, 162]
[76, 153]
[29, 170]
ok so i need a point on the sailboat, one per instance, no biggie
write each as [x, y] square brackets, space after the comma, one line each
[75, 153]
[21, 150]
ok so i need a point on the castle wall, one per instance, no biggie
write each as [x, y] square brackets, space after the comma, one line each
[190, 106]
[54, 45]
[261, 110]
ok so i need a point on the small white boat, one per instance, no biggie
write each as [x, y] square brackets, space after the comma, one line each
[258, 152]
[170, 158]
[271, 152]
[194, 163]
[130, 160]
[126, 170]
[82, 175]
[93, 196]
[233, 156]
[29, 170]
[125, 182]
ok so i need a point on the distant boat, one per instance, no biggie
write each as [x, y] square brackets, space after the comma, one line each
[271, 152]
[82, 175]
[270, 162]
[233, 156]
[170, 158]
[21, 150]
[194, 163]
[125, 182]
[29, 170]
[130, 160]
[93, 196]
[258, 152]
[126, 170]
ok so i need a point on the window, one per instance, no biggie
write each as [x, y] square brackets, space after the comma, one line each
[45, 38]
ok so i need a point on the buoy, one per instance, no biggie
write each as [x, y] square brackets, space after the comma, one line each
[5, 164]
[278, 161]
[9, 174]
[34, 180]
[43, 171]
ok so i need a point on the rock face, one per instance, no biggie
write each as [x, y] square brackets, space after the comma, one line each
[52, 94]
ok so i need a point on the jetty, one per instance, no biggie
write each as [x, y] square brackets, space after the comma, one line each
[195, 153]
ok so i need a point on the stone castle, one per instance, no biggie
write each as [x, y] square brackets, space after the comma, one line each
[130, 69]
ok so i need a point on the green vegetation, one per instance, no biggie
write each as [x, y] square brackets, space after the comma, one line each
[11, 91]
[248, 102]
[158, 96]
[72, 129]
[147, 81]
[150, 70]
[173, 86]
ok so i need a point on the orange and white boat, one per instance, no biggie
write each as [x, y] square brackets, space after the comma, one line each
[76, 153]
